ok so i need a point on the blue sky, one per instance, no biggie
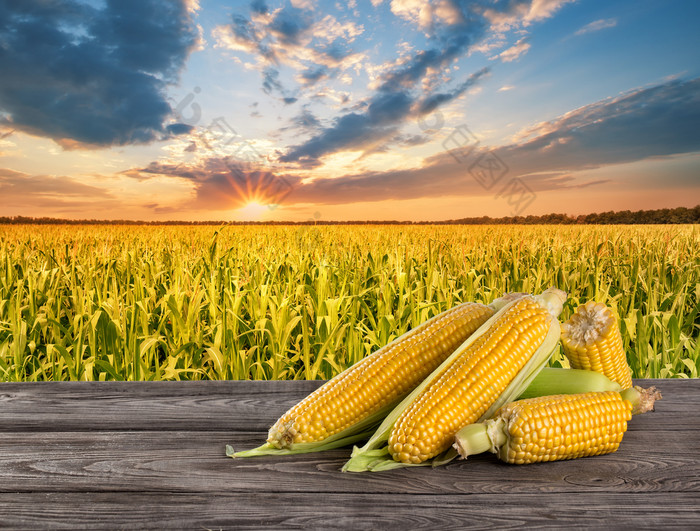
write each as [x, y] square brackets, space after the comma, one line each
[361, 110]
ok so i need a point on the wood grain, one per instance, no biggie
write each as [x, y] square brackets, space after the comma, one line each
[216, 406]
[148, 461]
[151, 455]
[340, 511]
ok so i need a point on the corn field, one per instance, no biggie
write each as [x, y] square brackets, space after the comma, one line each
[305, 302]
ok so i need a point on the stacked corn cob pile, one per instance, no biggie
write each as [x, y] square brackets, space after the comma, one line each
[451, 386]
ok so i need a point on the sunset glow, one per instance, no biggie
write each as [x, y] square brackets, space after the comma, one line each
[252, 211]
[382, 109]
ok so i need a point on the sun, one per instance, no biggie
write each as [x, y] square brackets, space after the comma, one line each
[252, 211]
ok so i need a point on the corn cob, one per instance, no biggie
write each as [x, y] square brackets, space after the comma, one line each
[343, 409]
[551, 428]
[488, 370]
[591, 340]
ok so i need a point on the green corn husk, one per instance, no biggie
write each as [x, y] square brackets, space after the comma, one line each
[551, 381]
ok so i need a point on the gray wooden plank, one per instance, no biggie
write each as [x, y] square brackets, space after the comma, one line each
[338, 511]
[206, 405]
[217, 405]
[652, 461]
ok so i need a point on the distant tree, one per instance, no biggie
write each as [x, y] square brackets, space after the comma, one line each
[659, 216]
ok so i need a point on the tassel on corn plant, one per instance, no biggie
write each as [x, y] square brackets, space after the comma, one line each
[347, 408]
[591, 340]
[488, 370]
[551, 428]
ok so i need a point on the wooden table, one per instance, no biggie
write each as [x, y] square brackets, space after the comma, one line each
[152, 455]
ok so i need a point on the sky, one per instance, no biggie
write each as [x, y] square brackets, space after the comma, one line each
[303, 110]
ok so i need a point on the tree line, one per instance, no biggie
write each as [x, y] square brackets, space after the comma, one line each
[662, 216]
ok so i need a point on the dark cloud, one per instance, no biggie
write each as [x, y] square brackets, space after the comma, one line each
[271, 81]
[245, 32]
[272, 84]
[450, 41]
[313, 75]
[353, 130]
[306, 120]
[336, 51]
[222, 183]
[384, 113]
[303, 122]
[259, 7]
[87, 75]
[288, 35]
[651, 122]
[643, 124]
[289, 24]
[433, 101]
[394, 102]
[412, 140]
[179, 129]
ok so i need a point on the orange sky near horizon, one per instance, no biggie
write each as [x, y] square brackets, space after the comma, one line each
[297, 110]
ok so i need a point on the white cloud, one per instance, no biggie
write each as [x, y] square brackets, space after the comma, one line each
[514, 52]
[311, 48]
[303, 4]
[597, 25]
[425, 14]
[523, 14]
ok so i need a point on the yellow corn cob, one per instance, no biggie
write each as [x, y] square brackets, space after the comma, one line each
[486, 352]
[344, 408]
[466, 388]
[591, 340]
[378, 380]
[550, 428]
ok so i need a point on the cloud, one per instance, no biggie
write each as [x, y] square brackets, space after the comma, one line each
[394, 102]
[259, 7]
[452, 27]
[520, 13]
[597, 25]
[306, 120]
[289, 24]
[355, 130]
[648, 122]
[311, 76]
[390, 106]
[514, 52]
[220, 183]
[427, 14]
[296, 36]
[317, 49]
[92, 76]
[643, 124]
[433, 101]
[56, 193]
